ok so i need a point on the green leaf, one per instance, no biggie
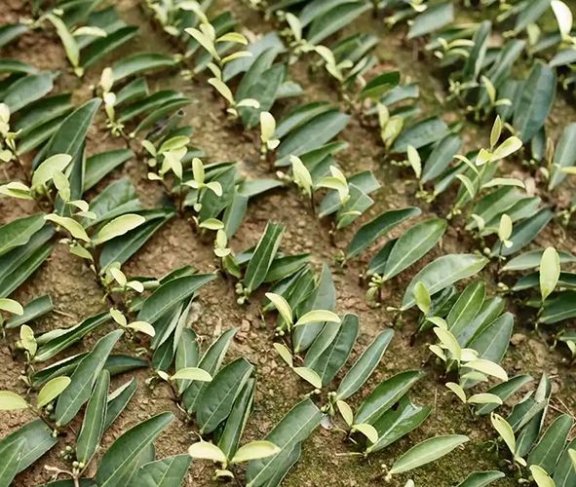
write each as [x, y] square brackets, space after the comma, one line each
[565, 471]
[427, 451]
[204, 450]
[564, 156]
[118, 400]
[531, 260]
[561, 307]
[32, 310]
[440, 158]
[421, 134]
[398, 422]
[422, 298]
[99, 165]
[51, 390]
[334, 20]
[70, 136]
[210, 362]
[18, 232]
[170, 294]
[325, 126]
[255, 450]
[295, 427]
[432, 19]
[187, 355]
[218, 396]
[466, 308]
[336, 354]
[26, 90]
[102, 46]
[9, 32]
[385, 395]
[535, 102]
[11, 455]
[235, 423]
[443, 272]
[481, 479]
[140, 63]
[168, 472]
[38, 440]
[10, 401]
[83, 379]
[491, 342]
[118, 227]
[380, 84]
[94, 420]
[263, 256]
[118, 463]
[552, 443]
[378, 227]
[362, 369]
[415, 243]
[549, 272]
[504, 391]
[55, 341]
[324, 297]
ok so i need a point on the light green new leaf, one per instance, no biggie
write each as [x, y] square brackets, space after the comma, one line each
[254, 451]
[282, 306]
[204, 450]
[46, 170]
[549, 272]
[427, 451]
[505, 431]
[70, 225]
[10, 401]
[310, 376]
[318, 315]
[192, 373]
[51, 390]
[117, 227]
[541, 477]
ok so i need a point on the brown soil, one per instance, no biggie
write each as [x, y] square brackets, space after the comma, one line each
[76, 293]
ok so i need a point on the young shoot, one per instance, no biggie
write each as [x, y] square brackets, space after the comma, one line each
[8, 151]
[254, 450]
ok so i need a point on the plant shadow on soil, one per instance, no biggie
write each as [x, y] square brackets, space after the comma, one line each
[76, 293]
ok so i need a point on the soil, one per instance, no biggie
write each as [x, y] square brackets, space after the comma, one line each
[77, 294]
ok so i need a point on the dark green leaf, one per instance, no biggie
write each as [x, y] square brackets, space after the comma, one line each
[295, 427]
[229, 439]
[385, 395]
[211, 362]
[168, 472]
[217, 398]
[443, 272]
[362, 369]
[378, 227]
[263, 256]
[398, 422]
[93, 425]
[170, 294]
[119, 462]
[83, 379]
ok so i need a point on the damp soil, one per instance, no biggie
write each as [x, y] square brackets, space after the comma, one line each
[325, 460]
